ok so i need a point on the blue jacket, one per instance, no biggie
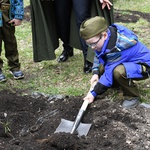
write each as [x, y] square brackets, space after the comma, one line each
[131, 58]
[16, 10]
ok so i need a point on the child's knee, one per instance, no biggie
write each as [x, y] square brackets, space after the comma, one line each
[119, 72]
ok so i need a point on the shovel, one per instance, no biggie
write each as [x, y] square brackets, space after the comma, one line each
[70, 126]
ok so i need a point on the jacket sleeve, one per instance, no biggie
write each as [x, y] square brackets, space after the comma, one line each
[96, 64]
[99, 89]
[104, 82]
[18, 9]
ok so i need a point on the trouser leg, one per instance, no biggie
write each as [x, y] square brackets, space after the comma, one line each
[1, 61]
[10, 45]
[128, 87]
[82, 12]
[63, 14]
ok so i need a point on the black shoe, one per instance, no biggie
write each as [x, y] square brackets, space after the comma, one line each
[65, 54]
[87, 67]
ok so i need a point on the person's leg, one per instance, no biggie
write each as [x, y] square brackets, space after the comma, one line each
[2, 76]
[10, 45]
[128, 87]
[63, 14]
[11, 51]
[1, 61]
[82, 12]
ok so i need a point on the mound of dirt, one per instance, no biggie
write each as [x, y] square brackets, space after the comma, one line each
[28, 123]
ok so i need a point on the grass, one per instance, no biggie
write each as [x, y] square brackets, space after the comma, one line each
[67, 78]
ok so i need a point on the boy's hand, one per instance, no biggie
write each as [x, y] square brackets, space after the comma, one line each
[94, 78]
[15, 22]
[89, 97]
[106, 3]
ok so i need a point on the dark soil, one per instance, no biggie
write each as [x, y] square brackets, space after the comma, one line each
[29, 123]
[33, 121]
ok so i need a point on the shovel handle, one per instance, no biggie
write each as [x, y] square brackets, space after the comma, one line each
[81, 111]
[84, 105]
[86, 102]
[93, 85]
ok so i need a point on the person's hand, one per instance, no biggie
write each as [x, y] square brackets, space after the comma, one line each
[106, 3]
[15, 22]
[94, 78]
[89, 97]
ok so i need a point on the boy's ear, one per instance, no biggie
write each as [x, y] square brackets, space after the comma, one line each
[105, 35]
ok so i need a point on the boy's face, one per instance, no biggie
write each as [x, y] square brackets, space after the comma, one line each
[96, 42]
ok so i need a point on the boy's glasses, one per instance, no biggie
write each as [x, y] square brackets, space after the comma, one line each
[93, 45]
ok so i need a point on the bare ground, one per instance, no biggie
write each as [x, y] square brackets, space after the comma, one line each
[33, 121]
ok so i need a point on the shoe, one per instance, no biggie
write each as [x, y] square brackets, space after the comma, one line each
[17, 74]
[87, 67]
[131, 103]
[2, 76]
[65, 54]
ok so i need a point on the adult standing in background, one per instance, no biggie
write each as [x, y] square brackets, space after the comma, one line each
[81, 10]
[46, 29]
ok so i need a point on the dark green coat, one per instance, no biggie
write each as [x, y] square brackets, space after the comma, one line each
[44, 32]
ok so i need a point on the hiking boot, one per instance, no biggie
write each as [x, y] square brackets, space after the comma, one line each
[17, 74]
[133, 102]
[65, 54]
[2, 76]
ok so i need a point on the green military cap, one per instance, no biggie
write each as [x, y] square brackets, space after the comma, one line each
[93, 26]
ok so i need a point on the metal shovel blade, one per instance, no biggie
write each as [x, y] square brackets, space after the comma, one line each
[66, 126]
[70, 126]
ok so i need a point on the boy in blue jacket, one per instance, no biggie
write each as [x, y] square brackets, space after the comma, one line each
[11, 15]
[119, 59]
